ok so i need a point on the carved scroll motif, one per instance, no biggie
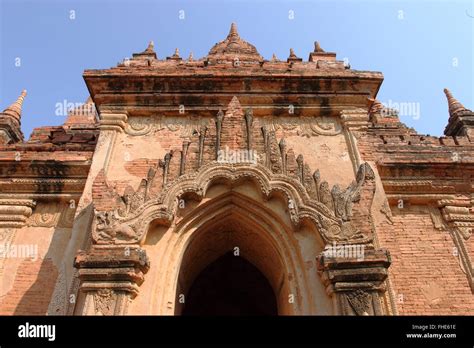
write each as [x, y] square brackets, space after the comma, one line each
[307, 126]
[141, 125]
[186, 125]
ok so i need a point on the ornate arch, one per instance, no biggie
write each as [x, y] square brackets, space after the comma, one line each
[330, 211]
[219, 215]
[338, 216]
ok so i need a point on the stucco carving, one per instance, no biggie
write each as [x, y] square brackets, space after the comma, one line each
[186, 125]
[360, 301]
[305, 126]
[104, 301]
[331, 213]
[15, 212]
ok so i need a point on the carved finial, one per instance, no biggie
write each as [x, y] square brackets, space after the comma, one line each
[14, 109]
[150, 48]
[175, 56]
[233, 34]
[299, 159]
[317, 47]
[293, 57]
[282, 144]
[190, 58]
[274, 58]
[453, 104]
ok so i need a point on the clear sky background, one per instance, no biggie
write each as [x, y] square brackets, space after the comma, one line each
[420, 46]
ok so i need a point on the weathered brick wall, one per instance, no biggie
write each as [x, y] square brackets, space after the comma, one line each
[426, 273]
[32, 290]
[417, 172]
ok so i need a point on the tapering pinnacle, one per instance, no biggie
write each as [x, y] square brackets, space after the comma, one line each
[233, 34]
[317, 47]
[14, 109]
[151, 47]
[453, 104]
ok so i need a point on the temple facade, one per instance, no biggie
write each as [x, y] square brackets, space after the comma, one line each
[234, 184]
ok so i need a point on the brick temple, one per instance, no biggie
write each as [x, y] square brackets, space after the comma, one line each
[234, 184]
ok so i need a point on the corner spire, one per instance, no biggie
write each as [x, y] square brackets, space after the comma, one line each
[14, 110]
[453, 104]
[461, 120]
[317, 47]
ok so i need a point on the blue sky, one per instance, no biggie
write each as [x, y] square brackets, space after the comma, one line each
[420, 46]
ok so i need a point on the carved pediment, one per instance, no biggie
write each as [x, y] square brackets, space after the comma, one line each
[330, 210]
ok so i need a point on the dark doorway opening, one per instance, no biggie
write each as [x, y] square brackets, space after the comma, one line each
[230, 286]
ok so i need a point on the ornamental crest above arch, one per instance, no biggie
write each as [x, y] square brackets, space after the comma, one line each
[336, 212]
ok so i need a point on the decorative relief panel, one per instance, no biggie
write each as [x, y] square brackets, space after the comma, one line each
[186, 125]
[303, 126]
[459, 216]
[53, 214]
[189, 125]
[104, 302]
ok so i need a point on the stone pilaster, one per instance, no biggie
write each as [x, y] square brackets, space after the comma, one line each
[110, 277]
[353, 122]
[111, 124]
[459, 216]
[14, 213]
[356, 284]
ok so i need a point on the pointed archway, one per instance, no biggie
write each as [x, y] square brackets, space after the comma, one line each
[230, 286]
[239, 220]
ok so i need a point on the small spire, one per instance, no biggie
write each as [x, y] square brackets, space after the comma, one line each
[293, 57]
[233, 34]
[274, 58]
[150, 48]
[14, 109]
[453, 104]
[175, 56]
[191, 57]
[317, 48]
